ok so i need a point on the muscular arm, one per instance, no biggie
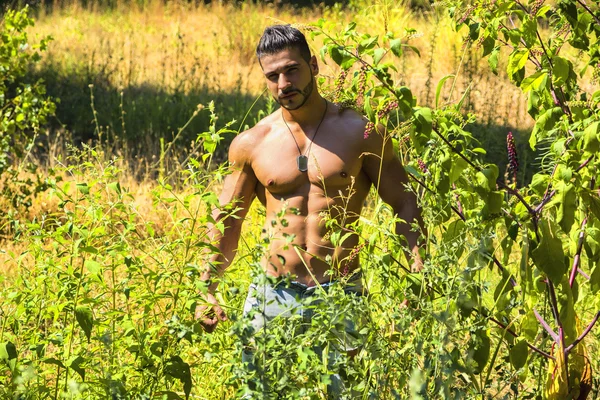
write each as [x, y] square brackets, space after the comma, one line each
[238, 192]
[386, 172]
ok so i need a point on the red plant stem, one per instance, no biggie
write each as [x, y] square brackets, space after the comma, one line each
[578, 253]
[589, 11]
[532, 347]
[545, 325]
[584, 333]
[586, 276]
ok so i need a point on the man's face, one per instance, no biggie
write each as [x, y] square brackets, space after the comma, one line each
[290, 79]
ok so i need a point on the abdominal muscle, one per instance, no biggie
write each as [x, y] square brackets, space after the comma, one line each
[299, 245]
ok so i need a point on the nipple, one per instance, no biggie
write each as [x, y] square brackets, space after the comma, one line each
[270, 182]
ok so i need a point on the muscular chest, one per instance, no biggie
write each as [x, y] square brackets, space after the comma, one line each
[332, 162]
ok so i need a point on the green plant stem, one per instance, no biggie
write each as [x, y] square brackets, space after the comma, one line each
[493, 360]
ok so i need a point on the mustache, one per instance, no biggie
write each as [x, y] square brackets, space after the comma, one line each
[289, 91]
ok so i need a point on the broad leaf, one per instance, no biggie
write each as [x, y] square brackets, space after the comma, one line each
[518, 354]
[85, 319]
[549, 256]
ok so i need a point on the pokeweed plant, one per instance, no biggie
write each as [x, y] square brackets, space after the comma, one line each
[511, 271]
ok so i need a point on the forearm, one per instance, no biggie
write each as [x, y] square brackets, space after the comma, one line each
[225, 244]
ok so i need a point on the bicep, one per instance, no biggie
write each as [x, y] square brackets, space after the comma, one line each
[239, 187]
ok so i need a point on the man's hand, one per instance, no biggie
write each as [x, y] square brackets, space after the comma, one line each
[210, 314]
[417, 261]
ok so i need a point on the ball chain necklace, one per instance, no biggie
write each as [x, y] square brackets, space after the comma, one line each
[302, 159]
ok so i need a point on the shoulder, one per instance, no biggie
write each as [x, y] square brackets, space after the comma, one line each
[348, 118]
[241, 149]
[359, 129]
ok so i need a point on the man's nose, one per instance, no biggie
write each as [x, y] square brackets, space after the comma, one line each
[283, 83]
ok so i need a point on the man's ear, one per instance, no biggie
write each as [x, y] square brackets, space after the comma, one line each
[314, 65]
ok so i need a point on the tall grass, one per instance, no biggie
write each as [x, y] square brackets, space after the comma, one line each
[152, 65]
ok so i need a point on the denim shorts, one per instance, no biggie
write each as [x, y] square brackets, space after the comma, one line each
[286, 299]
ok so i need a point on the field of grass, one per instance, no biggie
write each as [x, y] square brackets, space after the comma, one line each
[150, 67]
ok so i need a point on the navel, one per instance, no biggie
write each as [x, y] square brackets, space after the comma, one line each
[343, 174]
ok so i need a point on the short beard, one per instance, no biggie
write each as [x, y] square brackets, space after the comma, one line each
[306, 92]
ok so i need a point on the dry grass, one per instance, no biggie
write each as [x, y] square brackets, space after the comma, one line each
[178, 47]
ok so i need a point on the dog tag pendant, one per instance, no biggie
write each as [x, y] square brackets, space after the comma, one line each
[302, 163]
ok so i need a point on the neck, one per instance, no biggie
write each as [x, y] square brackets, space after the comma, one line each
[309, 114]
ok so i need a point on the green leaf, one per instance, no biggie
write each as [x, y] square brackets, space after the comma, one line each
[591, 139]
[529, 29]
[368, 43]
[544, 123]
[529, 326]
[458, 166]
[338, 54]
[396, 47]
[54, 361]
[75, 364]
[439, 87]
[488, 45]
[516, 65]
[595, 279]
[549, 256]
[455, 229]
[536, 81]
[85, 319]
[486, 178]
[8, 354]
[539, 183]
[524, 269]
[518, 354]
[378, 55]
[481, 350]
[593, 202]
[560, 70]
[179, 369]
[567, 203]
[494, 202]
[92, 266]
[493, 60]
[83, 188]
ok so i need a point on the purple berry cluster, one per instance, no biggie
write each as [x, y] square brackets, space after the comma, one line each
[535, 7]
[351, 258]
[339, 84]
[513, 163]
[422, 166]
[369, 128]
[389, 107]
[362, 83]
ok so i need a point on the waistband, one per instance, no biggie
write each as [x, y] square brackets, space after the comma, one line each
[354, 283]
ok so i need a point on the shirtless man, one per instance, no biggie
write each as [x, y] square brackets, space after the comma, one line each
[299, 159]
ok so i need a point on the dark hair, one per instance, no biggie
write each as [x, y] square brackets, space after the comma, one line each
[277, 38]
